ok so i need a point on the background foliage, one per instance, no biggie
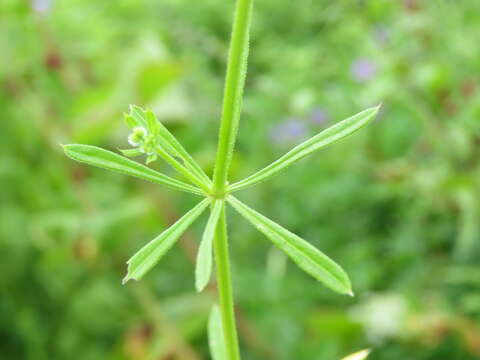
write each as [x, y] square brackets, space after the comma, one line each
[396, 205]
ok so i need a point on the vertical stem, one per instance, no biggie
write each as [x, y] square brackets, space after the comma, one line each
[232, 100]
[225, 288]
[232, 103]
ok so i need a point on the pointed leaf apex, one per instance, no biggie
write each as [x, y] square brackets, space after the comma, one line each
[200, 287]
[350, 293]
[150, 254]
[135, 107]
[125, 279]
[128, 276]
[361, 355]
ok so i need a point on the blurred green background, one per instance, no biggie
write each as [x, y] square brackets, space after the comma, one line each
[397, 204]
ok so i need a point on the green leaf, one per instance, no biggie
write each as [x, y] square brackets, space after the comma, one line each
[152, 122]
[361, 355]
[151, 158]
[307, 257]
[203, 269]
[321, 140]
[168, 147]
[130, 121]
[173, 146]
[216, 338]
[131, 152]
[148, 256]
[105, 159]
[136, 112]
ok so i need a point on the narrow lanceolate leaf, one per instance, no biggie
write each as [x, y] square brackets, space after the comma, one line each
[321, 140]
[203, 269]
[177, 150]
[105, 159]
[216, 339]
[361, 355]
[148, 256]
[306, 256]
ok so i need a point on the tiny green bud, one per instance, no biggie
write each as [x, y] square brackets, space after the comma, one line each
[149, 144]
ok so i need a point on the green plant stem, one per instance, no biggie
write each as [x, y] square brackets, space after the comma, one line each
[225, 288]
[232, 101]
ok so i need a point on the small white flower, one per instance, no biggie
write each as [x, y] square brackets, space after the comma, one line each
[137, 137]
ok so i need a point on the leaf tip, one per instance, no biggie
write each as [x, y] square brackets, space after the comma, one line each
[67, 149]
[199, 287]
[350, 293]
[133, 107]
[361, 355]
[128, 277]
[201, 282]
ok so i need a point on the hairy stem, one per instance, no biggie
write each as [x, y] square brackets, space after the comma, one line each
[225, 288]
[232, 101]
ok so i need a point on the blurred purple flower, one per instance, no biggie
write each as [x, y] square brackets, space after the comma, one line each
[319, 116]
[290, 131]
[381, 35]
[363, 69]
[41, 6]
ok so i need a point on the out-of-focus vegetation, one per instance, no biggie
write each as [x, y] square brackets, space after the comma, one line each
[397, 204]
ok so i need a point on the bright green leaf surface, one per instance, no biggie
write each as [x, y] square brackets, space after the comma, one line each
[105, 159]
[321, 140]
[136, 113]
[164, 144]
[148, 256]
[307, 257]
[168, 142]
[216, 339]
[131, 152]
[176, 149]
[203, 269]
[130, 121]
